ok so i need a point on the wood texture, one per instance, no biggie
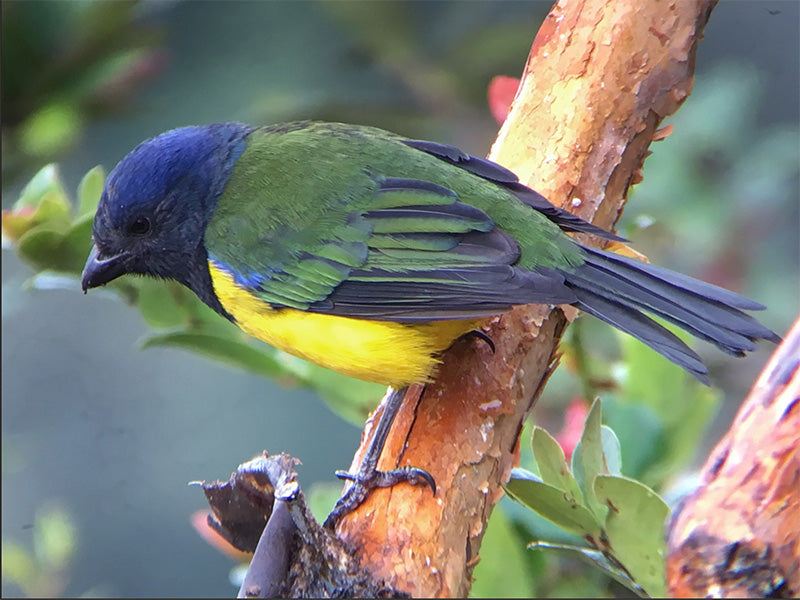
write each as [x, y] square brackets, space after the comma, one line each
[738, 535]
[599, 79]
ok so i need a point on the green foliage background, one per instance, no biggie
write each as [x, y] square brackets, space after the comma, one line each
[104, 437]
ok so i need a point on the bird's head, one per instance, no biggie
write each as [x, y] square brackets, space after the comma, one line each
[157, 203]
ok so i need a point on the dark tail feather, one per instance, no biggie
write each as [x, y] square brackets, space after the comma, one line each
[615, 289]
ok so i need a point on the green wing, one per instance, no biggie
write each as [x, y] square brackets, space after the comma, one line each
[437, 261]
[424, 256]
[341, 239]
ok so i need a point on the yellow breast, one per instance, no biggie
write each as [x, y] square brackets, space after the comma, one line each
[393, 354]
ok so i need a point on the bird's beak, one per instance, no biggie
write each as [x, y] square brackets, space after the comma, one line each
[100, 270]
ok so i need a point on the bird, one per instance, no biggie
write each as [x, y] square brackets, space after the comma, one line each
[370, 253]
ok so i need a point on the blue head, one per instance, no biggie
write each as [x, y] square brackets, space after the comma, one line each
[157, 203]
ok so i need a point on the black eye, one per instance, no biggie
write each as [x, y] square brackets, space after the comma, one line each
[140, 226]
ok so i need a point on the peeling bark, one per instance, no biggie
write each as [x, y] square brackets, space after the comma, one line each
[738, 535]
[599, 79]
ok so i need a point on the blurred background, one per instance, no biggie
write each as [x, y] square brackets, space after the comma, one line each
[99, 440]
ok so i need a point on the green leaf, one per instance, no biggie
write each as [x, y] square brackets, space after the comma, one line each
[612, 453]
[51, 129]
[588, 460]
[552, 504]
[594, 558]
[684, 406]
[53, 210]
[640, 433]
[38, 222]
[322, 497]
[634, 529]
[46, 181]
[158, 306]
[536, 527]
[351, 399]
[504, 570]
[552, 464]
[651, 380]
[18, 566]
[54, 538]
[78, 242]
[696, 411]
[44, 248]
[233, 352]
[89, 191]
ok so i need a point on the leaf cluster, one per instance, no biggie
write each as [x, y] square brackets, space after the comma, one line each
[621, 518]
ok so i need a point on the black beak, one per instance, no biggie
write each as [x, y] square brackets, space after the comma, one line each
[100, 270]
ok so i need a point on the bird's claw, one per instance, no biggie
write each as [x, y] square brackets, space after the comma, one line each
[481, 335]
[367, 480]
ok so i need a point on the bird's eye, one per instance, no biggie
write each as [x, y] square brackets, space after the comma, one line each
[140, 226]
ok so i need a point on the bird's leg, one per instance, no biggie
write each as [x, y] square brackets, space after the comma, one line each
[368, 477]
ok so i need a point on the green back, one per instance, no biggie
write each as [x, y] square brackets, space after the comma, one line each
[354, 221]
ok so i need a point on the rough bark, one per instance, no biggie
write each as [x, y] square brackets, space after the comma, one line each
[599, 79]
[738, 535]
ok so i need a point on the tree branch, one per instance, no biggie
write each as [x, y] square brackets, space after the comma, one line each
[738, 535]
[599, 79]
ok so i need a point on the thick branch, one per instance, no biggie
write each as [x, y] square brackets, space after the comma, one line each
[600, 77]
[738, 535]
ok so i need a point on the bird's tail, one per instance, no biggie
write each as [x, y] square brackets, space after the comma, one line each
[616, 289]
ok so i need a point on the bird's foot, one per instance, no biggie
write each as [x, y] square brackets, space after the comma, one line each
[482, 336]
[367, 479]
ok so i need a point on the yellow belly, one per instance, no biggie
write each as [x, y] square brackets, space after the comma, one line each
[393, 354]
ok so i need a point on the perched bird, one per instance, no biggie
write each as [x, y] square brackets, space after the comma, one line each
[369, 253]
